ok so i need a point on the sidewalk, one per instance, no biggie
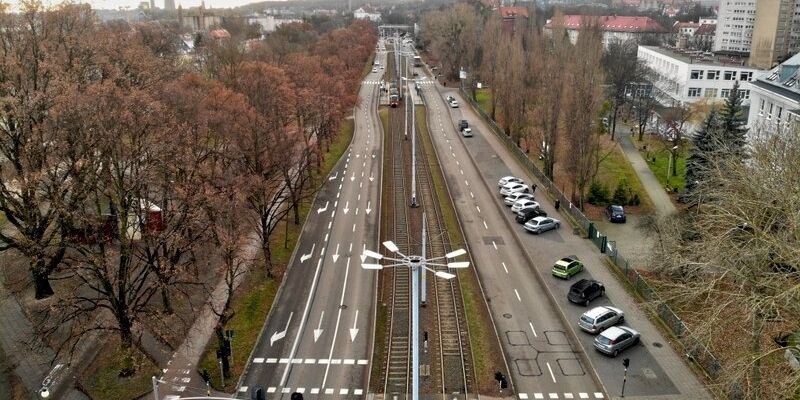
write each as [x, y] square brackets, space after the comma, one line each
[661, 201]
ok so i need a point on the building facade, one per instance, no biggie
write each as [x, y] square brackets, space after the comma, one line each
[622, 28]
[269, 23]
[772, 32]
[689, 77]
[775, 100]
[736, 19]
[366, 13]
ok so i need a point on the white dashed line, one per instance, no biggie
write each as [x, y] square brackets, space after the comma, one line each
[532, 330]
[300, 390]
[479, 209]
[486, 226]
[504, 267]
[523, 396]
[326, 237]
[344, 391]
[354, 227]
[551, 372]
[471, 195]
[271, 389]
[518, 298]
[314, 391]
[271, 360]
[358, 392]
[598, 395]
[493, 242]
[258, 360]
[553, 395]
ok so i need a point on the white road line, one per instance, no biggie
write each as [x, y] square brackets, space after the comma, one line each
[552, 395]
[363, 362]
[329, 224]
[300, 390]
[271, 389]
[358, 392]
[344, 391]
[471, 195]
[493, 242]
[532, 330]
[286, 390]
[297, 361]
[328, 391]
[479, 208]
[569, 395]
[598, 395]
[258, 360]
[284, 361]
[517, 293]
[338, 319]
[523, 396]
[354, 227]
[310, 361]
[538, 396]
[271, 360]
[583, 395]
[356, 210]
[314, 391]
[551, 372]
[350, 248]
[466, 182]
[333, 213]
[484, 224]
[349, 361]
[326, 237]
[504, 267]
[462, 171]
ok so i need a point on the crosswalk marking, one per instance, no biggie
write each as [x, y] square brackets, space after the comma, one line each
[598, 395]
[567, 395]
[322, 361]
[358, 392]
[258, 360]
[583, 395]
[330, 391]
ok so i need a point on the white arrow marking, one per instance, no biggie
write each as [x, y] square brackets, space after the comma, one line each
[368, 209]
[305, 257]
[354, 330]
[321, 210]
[346, 209]
[371, 178]
[334, 176]
[280, 335]
[336, 255]
[363, 257]
[318, 331]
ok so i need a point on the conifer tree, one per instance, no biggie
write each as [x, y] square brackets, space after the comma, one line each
[705, 144]
[732, 124]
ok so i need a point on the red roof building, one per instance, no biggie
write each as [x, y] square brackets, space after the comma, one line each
[614, 27]
[510, 17]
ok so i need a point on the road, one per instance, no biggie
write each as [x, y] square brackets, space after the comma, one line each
[318, 337]
[548, 355]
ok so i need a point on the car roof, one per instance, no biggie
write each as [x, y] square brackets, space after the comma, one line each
[612, 332]
[616, 208]
[539, 219]
[597, 311]
[583, 283]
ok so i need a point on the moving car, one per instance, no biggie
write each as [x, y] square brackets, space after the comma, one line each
[584, 291]
[600, 318]
[374, 70]
[542, 224]
[615, 339]
[526, 214]
[523, 203]
[615, 213]
[453, 103]
[508, 179]
[567, 267]
[513, 197]
[514, 188]
[463, 124]
[466, 132]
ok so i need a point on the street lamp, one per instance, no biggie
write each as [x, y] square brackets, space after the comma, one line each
[417, 264]
[669, 165]
[413, 140]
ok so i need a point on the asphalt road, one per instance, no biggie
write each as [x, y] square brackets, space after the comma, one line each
[318, 337]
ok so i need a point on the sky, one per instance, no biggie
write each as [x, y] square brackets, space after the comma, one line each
[115, 4]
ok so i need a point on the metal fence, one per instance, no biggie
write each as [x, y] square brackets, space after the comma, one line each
[693, 348]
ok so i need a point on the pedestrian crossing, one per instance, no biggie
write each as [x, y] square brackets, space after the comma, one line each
[314, 391]
[568, 395]
[322, 361]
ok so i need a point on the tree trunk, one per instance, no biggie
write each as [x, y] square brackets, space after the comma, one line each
[125, 330]
[166, 303]
[41, 282]
[641, 132]
[614, 120]
[267, 256]
[296, 208]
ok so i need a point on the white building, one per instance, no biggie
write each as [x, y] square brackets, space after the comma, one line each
[735, 22]
[269, 23]
[363, 13]
[615, 28]
[688, 77]
[775, 99]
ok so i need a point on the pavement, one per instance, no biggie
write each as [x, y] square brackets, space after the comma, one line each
[549, 357]
[661, 201]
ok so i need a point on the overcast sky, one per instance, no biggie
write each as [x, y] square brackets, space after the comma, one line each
[114, 4]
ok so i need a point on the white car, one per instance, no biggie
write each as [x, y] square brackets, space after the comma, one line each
[513, 197]
[453, 103]
[514, 188]
[521, 204]
[508, 179]
[466, 132]
[374, 70]
[542, 224]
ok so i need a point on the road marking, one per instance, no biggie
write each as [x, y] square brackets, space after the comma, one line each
[286, 390]
[598, 395]
[349, 361]
[305, 257]
[338, 318]
[568, 396]
[583, 395]
[271, 360]
[335, 255]
[486, 226]
[329, 224]
[310, 361]
[320, 210]
[517, 293]
[300, 390]
[466, 182]
[258, 360]
[334, 176]
[479, 209]
[328, 391]
[271, 389]
[280, 335]
[552, 395]
[354, 227]
[523, 396]
[458, 163]
[538, 396]
[504, 266]
[471, 195]
[532, 330]
[333, 213]
[360, 185]
[326, 237]
[354, 330]
[356, 210]
[359, 196]
[284, 361]
[493, 242]
[314, 391]
[318, 331]
[350, 249]
[368, 210]
[358, 392]
[335, 361]
[551, 372]
[462, 171]
[353, 177]
[363, 362]
[338, 194]
[297, 361]
[344, 391]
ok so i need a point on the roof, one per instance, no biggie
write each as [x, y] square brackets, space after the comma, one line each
[684, 25]
[513, 12]
[701, 58]
[612, 23]
[597, 311]
[706, 29]
[220, 34]
[783, 79]
[612, 332]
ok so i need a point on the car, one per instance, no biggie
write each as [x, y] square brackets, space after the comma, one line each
[450, 98]
[600, 318]
[453, 104]
[381, 66]
[467, 132]
[522, 204]
[527, 213]
[513, 197]
[615, 213]
[616, 339]
[514, 188]
[567, 267]
[585, 290]
[508, 179]
[374, 70]
[463, 124]
[541, 224]
[376, 62]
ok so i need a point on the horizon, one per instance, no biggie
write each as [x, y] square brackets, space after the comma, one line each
[133, 4]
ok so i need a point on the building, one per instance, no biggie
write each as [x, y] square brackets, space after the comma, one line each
[703, 38]
[692, 76]
[772, 32]
[169, 5]
[735, 25]
[775, 99]
[366, 12]
[269, 23]
[614, 27]
[198, 18]
[685, 28]
[511, 15]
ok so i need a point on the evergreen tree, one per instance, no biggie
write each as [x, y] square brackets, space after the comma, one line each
[732, 124]
[705, 144]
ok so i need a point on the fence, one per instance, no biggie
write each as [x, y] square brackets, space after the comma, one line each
[694, 349]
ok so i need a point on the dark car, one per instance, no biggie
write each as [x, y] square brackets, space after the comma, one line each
[585, 290]
[463, 125]
[615, 213]
[526, 216]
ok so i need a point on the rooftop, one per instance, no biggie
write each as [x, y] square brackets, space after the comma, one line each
[512, 12]
[612, 23]
[700, 57]
[782, 79]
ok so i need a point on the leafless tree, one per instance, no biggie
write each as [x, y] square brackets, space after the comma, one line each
[490, 60]
[452, 35]
[623, 69]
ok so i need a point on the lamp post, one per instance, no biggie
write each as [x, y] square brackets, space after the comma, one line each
[669, 166]
[416, 264]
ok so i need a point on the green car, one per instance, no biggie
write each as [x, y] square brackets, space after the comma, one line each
[567, 267]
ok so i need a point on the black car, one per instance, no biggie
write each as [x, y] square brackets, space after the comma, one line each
[463, 124]
[524, 217]
[585, 290]
[615, 213]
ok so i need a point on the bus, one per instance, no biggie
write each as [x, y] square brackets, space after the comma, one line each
[417, 61]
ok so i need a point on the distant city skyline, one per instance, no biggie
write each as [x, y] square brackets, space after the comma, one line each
[132, 4]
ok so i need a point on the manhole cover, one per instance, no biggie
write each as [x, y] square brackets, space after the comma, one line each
[507, 316]
[657, 344]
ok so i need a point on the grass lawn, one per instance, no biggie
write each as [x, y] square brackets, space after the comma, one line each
[254, 298]
[102, 381]
[660, 150]
[616, 166]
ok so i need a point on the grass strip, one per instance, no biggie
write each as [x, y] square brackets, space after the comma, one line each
[102, 380]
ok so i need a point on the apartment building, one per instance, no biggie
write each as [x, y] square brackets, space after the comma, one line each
[775, 99]
[622, 28]
[692, 76]
[767, 30]
[735, 21]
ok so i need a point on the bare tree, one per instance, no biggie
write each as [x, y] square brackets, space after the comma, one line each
[490, 60]
[452, 34]
[675, 120]
[623, 68]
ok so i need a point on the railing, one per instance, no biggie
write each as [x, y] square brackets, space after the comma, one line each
[693, 348]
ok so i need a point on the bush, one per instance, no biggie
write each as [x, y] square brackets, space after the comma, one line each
[598, 193]
[621, 194]
[635, 200]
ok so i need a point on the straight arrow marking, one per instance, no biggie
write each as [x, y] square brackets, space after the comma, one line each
[336, 255]
[363, 257]
[318, 331]
[368, 209]
[346, 209]
[354, 330]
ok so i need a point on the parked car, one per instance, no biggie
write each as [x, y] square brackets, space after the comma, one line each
[523, 203]
[374, 70]
[615, 213]
[616, 339]
[600, 318]
[527, 213]
[508, 179]
[542, 224]
[584, 291]
[466, 132]
[567, 267]
[463, 124]
[513, 197]
[514, 188]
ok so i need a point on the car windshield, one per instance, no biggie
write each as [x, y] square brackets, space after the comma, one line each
[616, 209]
[604, 340]
[576, 290]
[559, 267]
[586, 319]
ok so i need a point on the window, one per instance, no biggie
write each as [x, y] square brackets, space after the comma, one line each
[769, 114]
[710, 92]
[694, 92]
[779, 115]
[744, 94]
[696, 74]
[730, 75]
[725, 93]
[712, 74]
[761, 108]
[745, 76]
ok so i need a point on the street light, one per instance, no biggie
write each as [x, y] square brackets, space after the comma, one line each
[417, 264]
[413, 145]
[669, 166]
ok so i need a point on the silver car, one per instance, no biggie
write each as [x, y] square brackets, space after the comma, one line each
[521, 204]
[541, 224]
[599, 318]
[514, 188]
[514, 197]
[508, 179]
[615, 339]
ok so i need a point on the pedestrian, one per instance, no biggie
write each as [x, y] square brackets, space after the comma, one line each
[558, 204]
[533, 188]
